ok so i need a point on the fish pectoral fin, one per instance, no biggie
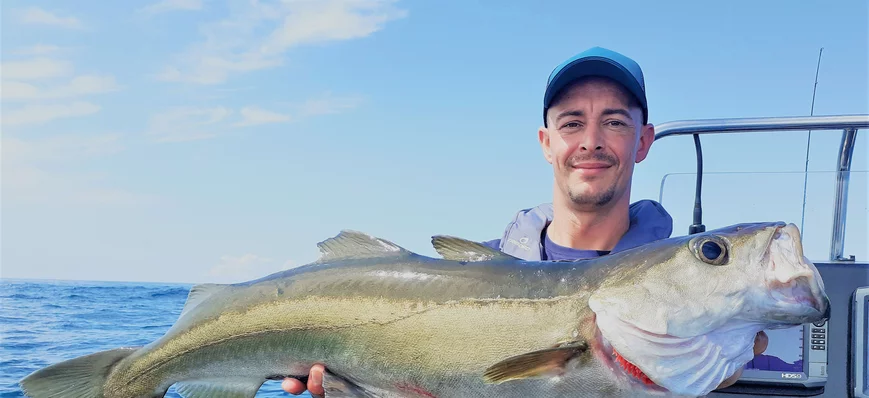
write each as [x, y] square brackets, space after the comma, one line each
[541, 363]
[458, 249]
[219, 388]
[339, 387]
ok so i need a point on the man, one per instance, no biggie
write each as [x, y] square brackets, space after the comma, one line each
[595, 128]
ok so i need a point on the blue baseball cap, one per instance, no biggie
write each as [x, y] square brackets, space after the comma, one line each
[598, 61]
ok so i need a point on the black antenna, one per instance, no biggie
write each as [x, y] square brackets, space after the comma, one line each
[809, 143]
[698, 208]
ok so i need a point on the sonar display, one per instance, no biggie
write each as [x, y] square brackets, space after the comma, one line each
[784, 353]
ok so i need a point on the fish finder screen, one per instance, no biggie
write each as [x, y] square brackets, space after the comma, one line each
[784, 353]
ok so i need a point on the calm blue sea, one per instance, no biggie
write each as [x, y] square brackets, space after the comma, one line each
[43, 322]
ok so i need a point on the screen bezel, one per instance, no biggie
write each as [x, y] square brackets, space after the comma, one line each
[753, 376]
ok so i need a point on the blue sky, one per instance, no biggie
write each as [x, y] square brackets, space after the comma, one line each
[194, 141]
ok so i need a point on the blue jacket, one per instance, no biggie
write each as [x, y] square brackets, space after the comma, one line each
[525, 235]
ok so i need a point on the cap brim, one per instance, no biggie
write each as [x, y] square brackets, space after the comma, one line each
[593, 66]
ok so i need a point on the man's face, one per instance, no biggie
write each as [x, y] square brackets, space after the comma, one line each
[594, 137]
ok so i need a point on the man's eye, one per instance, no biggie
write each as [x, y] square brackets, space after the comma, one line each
[616, 123]
[570, 125]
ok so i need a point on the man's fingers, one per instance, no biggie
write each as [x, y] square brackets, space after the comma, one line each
[315, 381]
[314, 384]
[293, 386]
[731, 380]
[761, 341]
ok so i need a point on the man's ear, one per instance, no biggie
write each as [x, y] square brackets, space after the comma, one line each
[647, 137]
[543, 137]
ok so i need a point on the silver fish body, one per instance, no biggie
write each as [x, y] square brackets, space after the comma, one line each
[387, 322]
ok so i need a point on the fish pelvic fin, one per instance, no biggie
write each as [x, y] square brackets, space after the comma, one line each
[80, 377]
[458, 249]
[219, 388]
[339, 387]
[543, 363]
[349, 243]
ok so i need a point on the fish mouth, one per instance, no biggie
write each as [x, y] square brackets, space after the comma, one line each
[792, 281]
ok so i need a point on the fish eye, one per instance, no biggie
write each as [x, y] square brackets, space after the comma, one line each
[712, 251]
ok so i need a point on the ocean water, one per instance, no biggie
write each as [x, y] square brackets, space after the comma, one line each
[44, 322]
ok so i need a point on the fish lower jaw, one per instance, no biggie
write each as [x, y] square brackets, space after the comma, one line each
[806, 300]
[795, 296]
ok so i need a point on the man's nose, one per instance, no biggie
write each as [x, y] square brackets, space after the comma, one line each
[591, 139]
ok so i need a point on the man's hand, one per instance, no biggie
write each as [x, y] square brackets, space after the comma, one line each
[315, 383]
[761, 341]
[315, 378]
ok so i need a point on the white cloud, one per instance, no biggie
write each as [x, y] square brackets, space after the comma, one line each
[34, 185]
[60, 148]
[39, 171]
[245, 267]
[254, 116]
[187, 123]
[39, 49]
[313, 22]
[38, 114]
[172, 5]
[214, 69]
[78, 86]
[197, 123]
[238, 44]
[33, 69]
[35, 15]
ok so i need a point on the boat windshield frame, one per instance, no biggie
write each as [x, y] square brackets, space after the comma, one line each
[848, 124]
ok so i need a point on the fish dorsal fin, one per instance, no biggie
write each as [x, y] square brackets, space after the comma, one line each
[458, 249]
[350, 243]
[219, 388]
[200, 293]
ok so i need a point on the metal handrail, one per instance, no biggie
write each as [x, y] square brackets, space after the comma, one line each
[849, 124]
[715, 126]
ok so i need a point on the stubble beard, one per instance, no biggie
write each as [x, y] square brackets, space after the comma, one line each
[599, 199]
[587, 200]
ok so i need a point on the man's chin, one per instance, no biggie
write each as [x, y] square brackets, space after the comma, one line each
[591, 199]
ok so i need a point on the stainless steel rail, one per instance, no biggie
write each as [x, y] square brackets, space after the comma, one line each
[715, 126]
[849, 124]
[846, 152]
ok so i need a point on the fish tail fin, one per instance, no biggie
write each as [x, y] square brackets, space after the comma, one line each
[82, 377]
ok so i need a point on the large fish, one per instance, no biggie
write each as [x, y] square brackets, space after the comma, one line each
[671, 318]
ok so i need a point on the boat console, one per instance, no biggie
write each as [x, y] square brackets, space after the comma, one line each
[826, 359]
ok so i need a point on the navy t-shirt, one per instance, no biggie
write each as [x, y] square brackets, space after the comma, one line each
[555, 252]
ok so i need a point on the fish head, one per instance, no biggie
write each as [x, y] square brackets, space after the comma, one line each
[686, 310]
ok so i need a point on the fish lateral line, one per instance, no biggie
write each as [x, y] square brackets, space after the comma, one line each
[215, 342]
